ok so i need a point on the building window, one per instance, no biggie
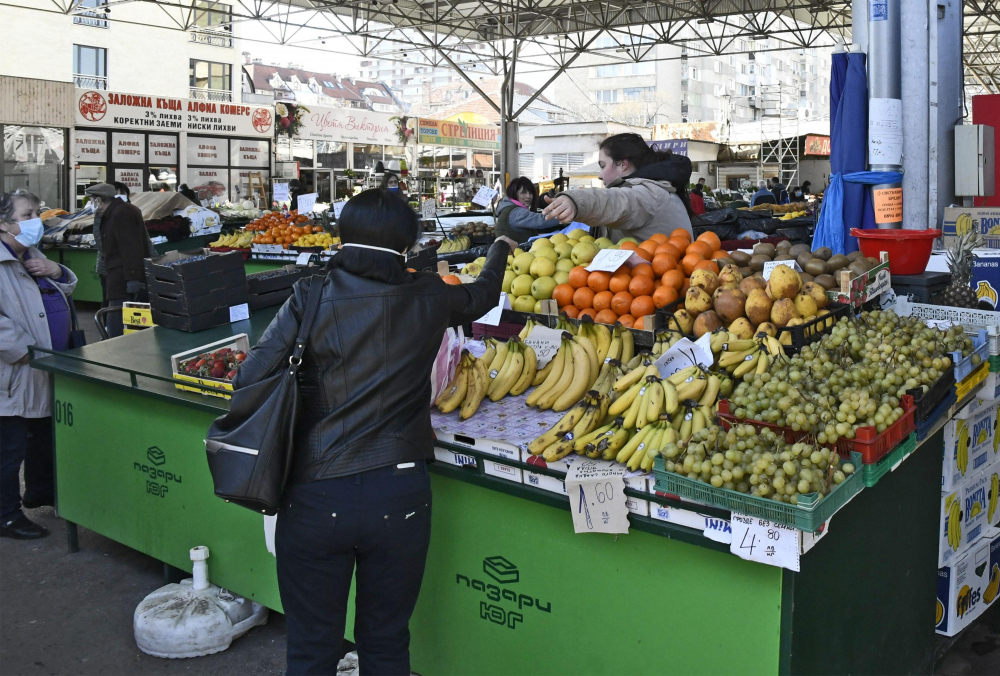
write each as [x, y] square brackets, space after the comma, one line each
[213, 22]
[638, 93]
[606, 96]
[743, 68]
[694, 99]
[718, 90]
[211, 81]
[95, 16]
[743, 90]
[732, 60]
[731, 85]
[90, 67]
[566, 161]
[695, 73]
[526, 164]
[716, 65]
[620, 69]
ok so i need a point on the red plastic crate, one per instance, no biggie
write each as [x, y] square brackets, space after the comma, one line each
[870, 444]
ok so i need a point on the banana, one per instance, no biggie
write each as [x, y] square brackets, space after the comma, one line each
[748, 364]
[763, 363]
[591, 437]
[656, 399]
[718, 341]
[740, 345]
[591, 352]
[698, 421]
[774, 346]
[734, 358]
[678, 419]
[557, 431]
[558, 363]
[653, 448]
[580, 383]
[503, 349]
[635, 460]
[527, 371]
[510, 376]
[543, 373]
[491, 351]
[526, 331]
[629, 379]
[615, 347]
[632, 363]
[711, 392]
[632, 415]
[634, 445]
[602, 338]
[681, 376]
[453, 395]
[478, 384]
[640, 419]
[693, 388]
[561, 448]
[624, 401]
[628, 345]
[615, 443]
[686, 425]
[670, 399]
[497, 375]
[547, 400]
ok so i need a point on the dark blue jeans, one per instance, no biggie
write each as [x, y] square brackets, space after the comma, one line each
[27, 440]
[375, 525]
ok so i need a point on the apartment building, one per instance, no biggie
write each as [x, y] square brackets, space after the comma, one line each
[294, 83]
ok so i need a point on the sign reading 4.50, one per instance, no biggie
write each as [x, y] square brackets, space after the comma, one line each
[62, 411]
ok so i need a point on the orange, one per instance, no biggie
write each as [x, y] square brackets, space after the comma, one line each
[606, 317]
[649, 245]
[643, 269]
[708, 265]
[602, 300]
[657, 283]
[598, 281]
[668, 248]
[684, 287]
[673, 279]
[690, 261]
[644, 254]
[642, 306]
[563, 294]
[619, 282]
[589, 312]
[681, 232]
[621, 302]
[640, 323]
[583, 298]
[570, 311]
[700, 248]
[578, 277]
[664, 296]
[451, 279]
[627, 320]
[663, 262]
[641, 286]
[711, 239]
[721, 253]
[679, 243]
[659, 238]
[628, 246]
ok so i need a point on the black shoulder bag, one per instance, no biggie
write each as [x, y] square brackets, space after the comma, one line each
[250, 448]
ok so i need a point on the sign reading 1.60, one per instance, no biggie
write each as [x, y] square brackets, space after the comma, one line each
[63, 413]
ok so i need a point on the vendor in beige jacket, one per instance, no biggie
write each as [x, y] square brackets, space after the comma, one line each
[34, 311]
[647, 192]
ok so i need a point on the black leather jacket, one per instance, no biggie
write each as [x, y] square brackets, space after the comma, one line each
[365, 379]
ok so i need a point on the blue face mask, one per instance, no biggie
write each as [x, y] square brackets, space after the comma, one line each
[31, 232]
[394, 188]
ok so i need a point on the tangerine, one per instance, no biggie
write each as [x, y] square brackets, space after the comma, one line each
[711, 239]
[643, 269]
[598, 281]
[619, 282]
[708, 265]
[650, 246]
[641, 286]
[563, 294]
[621, 302]
[640, 323]
[644, 254]
[700, 248]
[451, 279]
[673, 278]
[578, 277]
[662, 263]
[587, 312]
[606, 317]
[628, 246]
[626, 320]
[642, 306]
[668, 248]
[602, 300]
[721, 253]
[583, 298]
[690, 261]
[680, 244]
[680, 232]
[570, 311]
[664, 296]
[659, 238]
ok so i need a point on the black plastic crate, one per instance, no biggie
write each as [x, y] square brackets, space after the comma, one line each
[422, 260]
[195, 305]
[267, 281]
[809, 332]
[197, 287]
[192, 323]
[269, 299]
[926, 287]
[938, 392]
[204, 264]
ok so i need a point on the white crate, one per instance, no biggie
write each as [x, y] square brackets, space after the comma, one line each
[971, 320]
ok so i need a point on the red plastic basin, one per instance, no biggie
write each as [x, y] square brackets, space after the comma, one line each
[909, 250]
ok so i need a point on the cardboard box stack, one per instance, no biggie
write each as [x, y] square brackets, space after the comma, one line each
[196, 290]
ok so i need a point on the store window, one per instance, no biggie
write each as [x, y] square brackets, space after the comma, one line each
[220, 169]
[90, 67]
[302, 152]
[331, 155]
[211, 81]
[34, 159]
[366, 156]
[459, 158]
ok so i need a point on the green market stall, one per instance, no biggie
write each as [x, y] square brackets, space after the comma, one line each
[509, 587]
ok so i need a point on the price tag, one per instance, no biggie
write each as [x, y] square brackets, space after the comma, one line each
[763, 541]
[428, 209]
[492, 318]
[280, 191]
[267, 248]
[685, 353]
[597, 497]
[609, 260]
[307, 203]
[771, 265]
[338, 208]
[238, 313]
[484, 196]
[545, 342]
[304, 258]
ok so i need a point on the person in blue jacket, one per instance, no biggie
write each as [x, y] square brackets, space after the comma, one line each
[515, 217]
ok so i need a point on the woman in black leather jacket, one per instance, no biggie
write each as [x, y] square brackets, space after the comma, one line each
[359, 499]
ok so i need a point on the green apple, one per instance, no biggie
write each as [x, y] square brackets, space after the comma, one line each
[564, 249]
[586, 238]
[565, 264]
[542, 288]
[523, 304]
[628, 239]
[508, 279]
[579, 234]
[603, 243]
[558, 238]
[481, 260]
[522, 263]
[561, 276]
[521, 286]
[541, 243]
[542, 267]
[583, 253]
[516, 252]
[547, 252]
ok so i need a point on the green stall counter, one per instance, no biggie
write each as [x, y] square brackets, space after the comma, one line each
[130, 465]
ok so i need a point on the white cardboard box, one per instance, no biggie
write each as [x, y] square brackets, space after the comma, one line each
[993, 494]
[498, 448]
[969, 586]
[638, 481]
[452, 458]
[971, 500]
[976, 434]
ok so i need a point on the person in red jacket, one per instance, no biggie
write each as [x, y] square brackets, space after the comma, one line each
[697, 198]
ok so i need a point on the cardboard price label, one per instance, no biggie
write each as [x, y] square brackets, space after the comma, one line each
[545, 342]
[888, 205]
[428, 209]
[267, 248]
[303, 258]
[685, 353]
[880, 284]
[484, 196]
[307, 203]
[597, 497]
[492, 318]
[281, 192]
[338, 208]
[764, 541]
[238, 313]
[771, 265]
[609, 260]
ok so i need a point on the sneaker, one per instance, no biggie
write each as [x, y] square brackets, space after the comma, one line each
[22, 528]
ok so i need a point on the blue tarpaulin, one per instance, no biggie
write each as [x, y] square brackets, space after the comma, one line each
[832, 228]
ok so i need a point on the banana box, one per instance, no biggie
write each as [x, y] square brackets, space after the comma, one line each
[993, 495]
[968, 446]
[963, 518]
[986, 277]
[968, 587]
[638, 481]
[635, 480]
[959, 220]
[500, 449]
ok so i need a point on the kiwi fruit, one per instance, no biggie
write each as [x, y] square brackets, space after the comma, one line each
[826, 281]
[757, 262]
[746, 271]
[837, 262]
[799, 249]
[740, 258]
[823, 252]
[857, 268]
[783, 257]
[854, 255]
[872, 262]
[815, 267]
[806, 277]
[764, 250]
[803, 258]
[783, 246]
[723, 262]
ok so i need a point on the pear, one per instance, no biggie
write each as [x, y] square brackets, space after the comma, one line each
[806, 305]
[784, 282]
[817, 292]
[741, 328]
[705, 279]
[783, 311]
[697, 300]
[758, 307]
[682, 321]
[730, 305]
[768, 328]
[730, 275]
[706, 322]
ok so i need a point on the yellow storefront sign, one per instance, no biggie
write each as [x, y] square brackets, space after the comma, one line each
[459, 134]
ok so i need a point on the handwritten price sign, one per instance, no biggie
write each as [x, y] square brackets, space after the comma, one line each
[764, 541]
[597, 498]
[545, 342]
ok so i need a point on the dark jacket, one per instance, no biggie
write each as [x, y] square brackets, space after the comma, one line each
[365, 379]
[125, 244]
[521, 224]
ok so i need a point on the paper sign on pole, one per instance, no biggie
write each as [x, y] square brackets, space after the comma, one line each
[338, 208]
[888, 204]
[763, 541]
[885, 131]
[609, 260]
[597, 497]
[771, 265]
[280, 191]
[484, 196]
[685, 353]
[492, 318]
[307, 203]
[545, 342]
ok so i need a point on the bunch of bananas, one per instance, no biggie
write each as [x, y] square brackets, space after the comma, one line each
[511, 369]
[568, 376]
[993, 587]
[792, 214]
[460, 243]
[953, 524]
[665, 341]
[991, 507]
[467, 388]
[235, 240]
[749, 355]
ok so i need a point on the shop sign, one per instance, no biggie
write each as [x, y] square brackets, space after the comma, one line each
[458, 134]
[213, 152]
[154, 470]
[130, 177]
[130, 111]
[128, 148]
[90, 146]
[676, 146]
[209, 184]
[249, 154]
[503, 600]
[162, 149]
[817, 145]
[348, 124]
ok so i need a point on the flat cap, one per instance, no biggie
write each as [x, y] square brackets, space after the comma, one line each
[105, 190]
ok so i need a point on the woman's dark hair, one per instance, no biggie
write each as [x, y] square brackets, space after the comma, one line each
[122, 189]
[522, 183]
[384, 183]
[698, 189]
[378, 217]
[634, 148]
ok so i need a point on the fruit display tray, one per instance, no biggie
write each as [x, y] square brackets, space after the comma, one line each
[169, 267]
[810, 331]
[281, 278]
[209, 386]
[197, 287]
[808, 516]
[262, 300]
[509, 421]
[971, 320]
[927, 403]
[970, 383]
[184, 305]
[867, 441]
[876, 470]
[925, 426]
[994, 363]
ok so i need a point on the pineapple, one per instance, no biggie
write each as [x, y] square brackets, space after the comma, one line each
[959, 293]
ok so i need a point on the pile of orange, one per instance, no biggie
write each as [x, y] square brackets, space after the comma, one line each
[630, 294]
[275, 228]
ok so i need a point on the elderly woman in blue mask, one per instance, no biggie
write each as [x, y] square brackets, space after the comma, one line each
[391, 183]
[34, 311]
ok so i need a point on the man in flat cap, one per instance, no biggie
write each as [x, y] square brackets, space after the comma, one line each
[124, 242]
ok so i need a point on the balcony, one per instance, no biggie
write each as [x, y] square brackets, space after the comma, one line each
[213, 38]
[90, 81]
[93, 19]
[259, 99]
[217, 95]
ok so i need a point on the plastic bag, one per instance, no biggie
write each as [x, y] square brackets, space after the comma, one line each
[448, 356]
